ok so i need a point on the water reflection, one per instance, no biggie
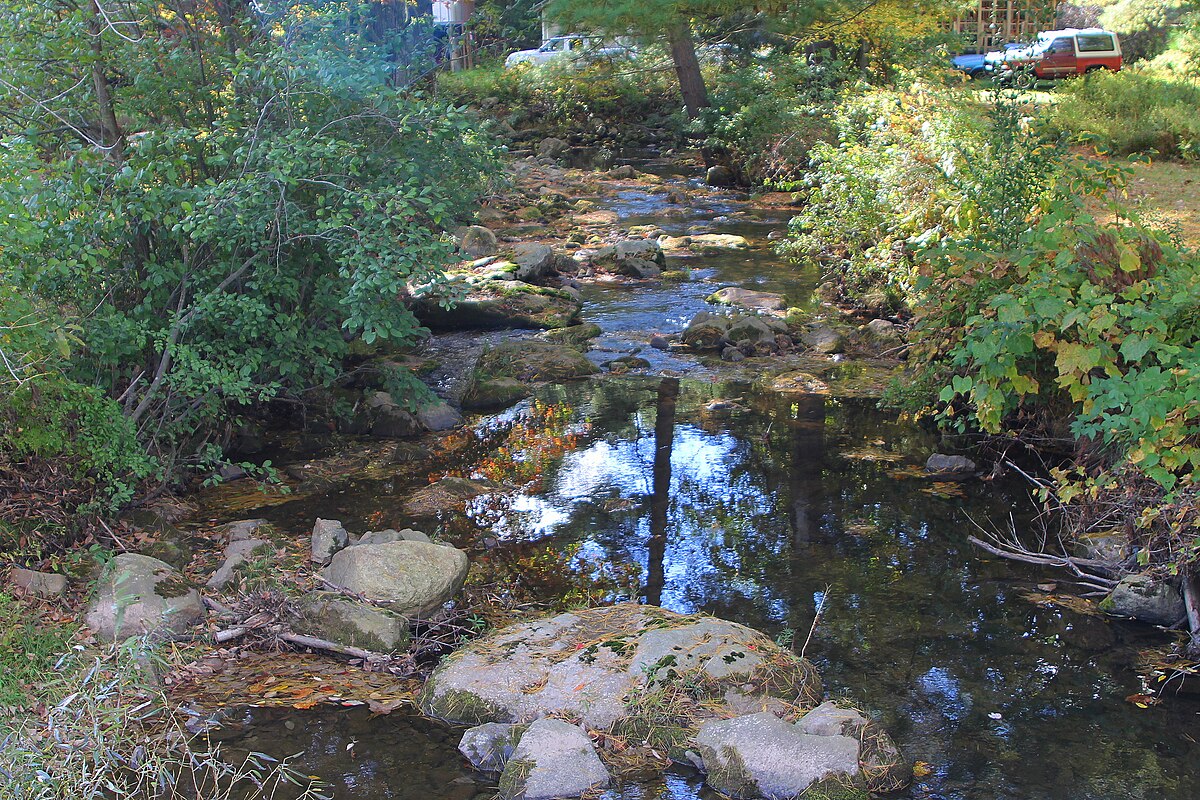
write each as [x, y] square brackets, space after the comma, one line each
[758, 508]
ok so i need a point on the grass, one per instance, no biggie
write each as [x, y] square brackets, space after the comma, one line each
[1168, 194]
[29, 646]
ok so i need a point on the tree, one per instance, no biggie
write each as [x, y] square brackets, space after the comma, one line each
[224, 196]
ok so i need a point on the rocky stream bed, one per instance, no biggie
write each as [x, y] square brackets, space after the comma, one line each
[645, 416]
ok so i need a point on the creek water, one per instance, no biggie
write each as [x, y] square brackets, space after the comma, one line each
[762, 510]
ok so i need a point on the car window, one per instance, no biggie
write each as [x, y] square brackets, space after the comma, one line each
[1063, 45]
[1095, 42]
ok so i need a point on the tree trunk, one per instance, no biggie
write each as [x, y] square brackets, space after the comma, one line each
[111, 135]
[687, 68]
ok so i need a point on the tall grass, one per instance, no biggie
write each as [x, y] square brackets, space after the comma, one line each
[103, 731]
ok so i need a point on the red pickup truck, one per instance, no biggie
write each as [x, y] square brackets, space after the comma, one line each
[1057, 54]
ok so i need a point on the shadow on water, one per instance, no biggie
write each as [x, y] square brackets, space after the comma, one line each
[760, 511]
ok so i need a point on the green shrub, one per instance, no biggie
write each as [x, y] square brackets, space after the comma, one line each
[567, 99]
[1132, 111]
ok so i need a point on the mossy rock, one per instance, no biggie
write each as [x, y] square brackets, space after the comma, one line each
[495, 393]
[576, 336]
[533, 361]
[501, 304]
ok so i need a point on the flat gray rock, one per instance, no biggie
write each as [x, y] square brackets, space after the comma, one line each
[1145, 598]
[939, 463]
[554, 759]
[39, 584]
[592, 665]
[829, 719]
[390, 535]
[761, 756]
[138, 595]
[748, 298]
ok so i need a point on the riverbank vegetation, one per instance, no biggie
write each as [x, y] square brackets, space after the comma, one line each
[212, 213]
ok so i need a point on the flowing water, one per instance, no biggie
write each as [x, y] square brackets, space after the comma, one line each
[763, 510]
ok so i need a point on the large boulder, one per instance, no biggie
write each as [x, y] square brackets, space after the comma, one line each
[597, 664]
[823, 339]
[490, 304]
[720, 175]
[409, 578]
[380, 415]
[438, 415]
[137, 595]
[1145, 598]
[761, 756]
[748, 298]
[525, 361]
[576, 336]
[635, 258]
[352, 623]
[706, 331]
[554, 759]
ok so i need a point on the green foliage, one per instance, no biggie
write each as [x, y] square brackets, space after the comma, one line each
[908, 169]
[28, 649]
[275, 204]
[1132, 112]
[767, 116]
[564, 99]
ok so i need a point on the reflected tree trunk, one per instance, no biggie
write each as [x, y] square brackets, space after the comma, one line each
[660, 498]
[807, 459]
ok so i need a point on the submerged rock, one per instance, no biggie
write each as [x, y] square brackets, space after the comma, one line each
[748, 298]
[939, 463]
[449, 495]
[502, 372]
[139, 595]
[410, 578]
[554, 759]
[1145, 598]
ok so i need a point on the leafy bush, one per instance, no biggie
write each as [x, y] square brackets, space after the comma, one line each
[1132, 111]
[766, 117]
[909, 169]
[565, 99]
[273, 207]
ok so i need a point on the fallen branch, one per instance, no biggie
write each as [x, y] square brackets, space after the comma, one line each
[229, 634]
[321, 644]
[1042, 559]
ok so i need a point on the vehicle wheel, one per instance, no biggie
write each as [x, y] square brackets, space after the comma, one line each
[1092, 69]
[977, 74]
[1025, 79]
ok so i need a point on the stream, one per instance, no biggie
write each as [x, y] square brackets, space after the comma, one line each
[763, 510]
